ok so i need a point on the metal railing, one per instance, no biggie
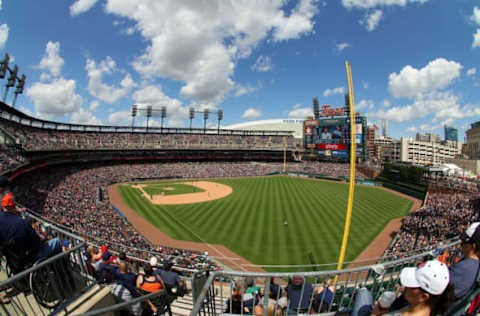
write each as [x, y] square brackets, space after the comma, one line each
[235, 292]
[45, 286]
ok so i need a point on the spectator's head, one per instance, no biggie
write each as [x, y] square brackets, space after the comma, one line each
[106, 256]
[167, 266]
[8, 203]
[147, 269]
[427, 285]
[4, 183]
[471, 240]
[122, 256]
[297, 280]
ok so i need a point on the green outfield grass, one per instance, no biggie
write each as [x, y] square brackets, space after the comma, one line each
[178, 188]
[250, 221]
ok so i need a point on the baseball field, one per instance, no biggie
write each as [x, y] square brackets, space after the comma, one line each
[267, 220]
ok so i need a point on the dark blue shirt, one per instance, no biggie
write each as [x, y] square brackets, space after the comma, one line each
[14, 227]
[128, 280]
[169, 277]
[294, 293]
[463, 275]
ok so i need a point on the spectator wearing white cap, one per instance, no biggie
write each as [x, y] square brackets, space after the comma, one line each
[426, 289]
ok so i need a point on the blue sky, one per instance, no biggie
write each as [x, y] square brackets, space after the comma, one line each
[414, 62]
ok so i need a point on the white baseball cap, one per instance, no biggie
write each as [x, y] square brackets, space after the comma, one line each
[386, 299]
[153, 261]
[432, 277]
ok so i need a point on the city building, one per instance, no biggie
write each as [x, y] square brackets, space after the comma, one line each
[371, 140]
[428, 137]
[426, 153]
[472, 146]
[413, 151]
[451, 133]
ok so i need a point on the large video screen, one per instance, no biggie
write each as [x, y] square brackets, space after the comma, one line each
[331, 137]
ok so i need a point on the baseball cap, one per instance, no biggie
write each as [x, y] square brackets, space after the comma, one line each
[386, 299]
[433, 277]
[472, 234]
[153, 261]
[8, 200]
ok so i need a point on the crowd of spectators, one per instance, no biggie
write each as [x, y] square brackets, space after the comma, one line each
[454, 183]
[10, 159]
[444, 216]
[40, 139]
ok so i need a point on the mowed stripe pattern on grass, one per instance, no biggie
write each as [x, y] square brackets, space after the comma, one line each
[250, 221]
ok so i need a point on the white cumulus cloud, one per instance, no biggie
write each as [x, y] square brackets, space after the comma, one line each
[476, 39]
[337, 90]
[84, 116]
[341, 46]
[51, 61]
[471, 72]
[3, 35]
[365, 105]
[81, 6]
[300, 112]
[154, 96]
[367, 4]
[99, 89]
[120, 118]
[262, 64]
[411, 82]
[372, 19]
[54, 99]
[476, 15]
[439, 105]
[411, 129]
[241, 89]
[199, 43]
[251, 114]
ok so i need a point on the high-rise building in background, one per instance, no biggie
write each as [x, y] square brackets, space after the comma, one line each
[451, 133]
[384, 128]
[428, 137]
[472, 147]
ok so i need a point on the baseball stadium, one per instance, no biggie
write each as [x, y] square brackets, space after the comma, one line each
[225, 210]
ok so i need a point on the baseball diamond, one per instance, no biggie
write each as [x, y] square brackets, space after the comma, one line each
[250, 220]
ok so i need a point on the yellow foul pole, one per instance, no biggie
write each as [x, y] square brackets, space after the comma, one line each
[351, 186]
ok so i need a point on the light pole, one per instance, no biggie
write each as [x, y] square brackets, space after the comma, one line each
[134, 113]
[205, 118]
[149, 114]
[164, 115]
[191, 116]
[220, 117]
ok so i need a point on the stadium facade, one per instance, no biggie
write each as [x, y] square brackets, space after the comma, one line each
[293, 125]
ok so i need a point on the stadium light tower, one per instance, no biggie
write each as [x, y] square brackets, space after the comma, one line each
[11, 81]
[191, 116]
[163, 112]
[316, 108]
[134, 113]
[220, 117]
[205, 118]
[149, 114]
